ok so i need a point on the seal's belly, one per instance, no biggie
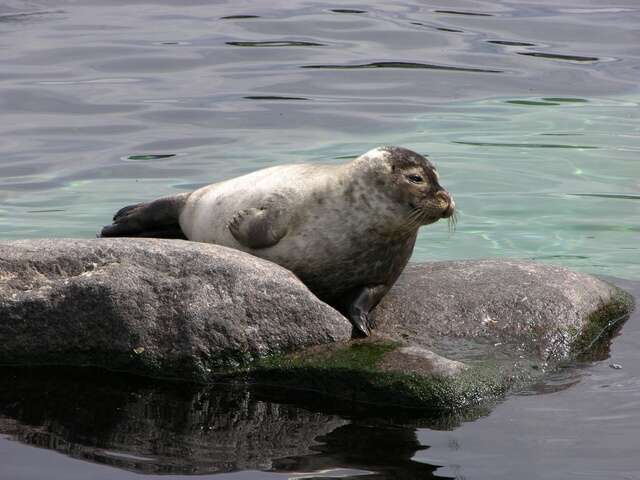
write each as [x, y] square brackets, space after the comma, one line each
[332, 268]
[334, 253]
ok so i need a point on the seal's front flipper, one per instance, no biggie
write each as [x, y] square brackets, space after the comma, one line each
[359, 304]
[261, 227]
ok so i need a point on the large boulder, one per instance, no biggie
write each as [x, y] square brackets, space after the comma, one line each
[166, 308]
[448, 336]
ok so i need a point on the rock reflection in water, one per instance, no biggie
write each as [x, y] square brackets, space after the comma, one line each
[137, 425]
[147, 427]
[386, 452]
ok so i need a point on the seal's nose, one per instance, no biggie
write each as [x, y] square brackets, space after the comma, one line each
[446, 200]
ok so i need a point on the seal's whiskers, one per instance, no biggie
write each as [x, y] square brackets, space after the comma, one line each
[414, 220]
[452, 222]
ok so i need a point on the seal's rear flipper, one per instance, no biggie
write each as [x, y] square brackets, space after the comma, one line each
[156, 219]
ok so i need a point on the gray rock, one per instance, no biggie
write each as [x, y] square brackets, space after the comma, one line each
[166, 308]
[486, 308]
[448, 336]
[420, 361]
[451, 336]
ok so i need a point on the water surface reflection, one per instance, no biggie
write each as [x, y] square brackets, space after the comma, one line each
[149, 427]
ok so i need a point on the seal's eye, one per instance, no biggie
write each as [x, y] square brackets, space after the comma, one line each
[415, 178]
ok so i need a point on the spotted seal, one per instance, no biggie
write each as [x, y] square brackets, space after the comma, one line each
[347, 231]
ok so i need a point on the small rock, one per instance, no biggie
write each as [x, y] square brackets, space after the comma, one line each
[489, 308]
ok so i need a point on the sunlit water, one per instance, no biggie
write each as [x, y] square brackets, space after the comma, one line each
[529, 109]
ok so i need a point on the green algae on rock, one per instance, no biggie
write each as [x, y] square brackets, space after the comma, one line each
[360, 371]
[451, 336]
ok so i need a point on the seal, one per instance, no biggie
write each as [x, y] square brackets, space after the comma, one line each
[347, 231]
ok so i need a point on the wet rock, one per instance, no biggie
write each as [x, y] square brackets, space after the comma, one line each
[487, 308]
[451, 336]
[165, 308]
[421, 361]
[448, 337]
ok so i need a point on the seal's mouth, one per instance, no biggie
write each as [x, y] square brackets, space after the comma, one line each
[442, 207]
[430, 211]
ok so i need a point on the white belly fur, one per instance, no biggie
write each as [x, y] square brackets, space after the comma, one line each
[206, 215]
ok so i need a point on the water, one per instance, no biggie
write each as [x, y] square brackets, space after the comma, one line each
[529, 109]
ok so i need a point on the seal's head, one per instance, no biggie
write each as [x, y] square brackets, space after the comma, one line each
[411, 181]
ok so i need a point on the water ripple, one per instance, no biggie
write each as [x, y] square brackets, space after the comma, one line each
[442, 29]
[511, 44]
[347, 10]
[272, 97]
[531, 102]
[149, 156]
[25, 16]
[457, 12]
[524, 145]
[239, 17]
[557, 56]
[276, 43]
[616, 196]
[408, 65]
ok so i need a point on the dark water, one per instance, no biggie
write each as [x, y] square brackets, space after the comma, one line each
[529, 108]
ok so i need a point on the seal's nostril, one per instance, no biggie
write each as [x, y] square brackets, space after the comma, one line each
[447, 203]
[444, 196]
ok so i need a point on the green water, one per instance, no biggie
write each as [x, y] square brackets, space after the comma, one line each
[529, 109]
[555, 179]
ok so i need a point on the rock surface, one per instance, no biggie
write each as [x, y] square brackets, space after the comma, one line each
[165, 308]
[463, 309]
[448, 336]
